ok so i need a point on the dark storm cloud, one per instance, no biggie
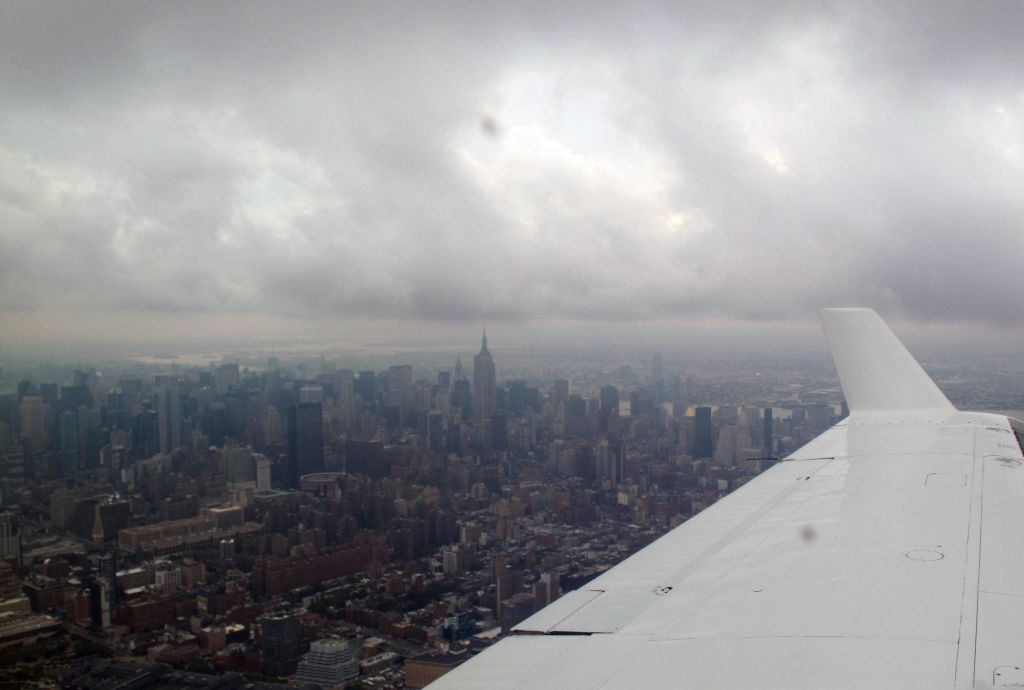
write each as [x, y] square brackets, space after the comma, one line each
[471, 161]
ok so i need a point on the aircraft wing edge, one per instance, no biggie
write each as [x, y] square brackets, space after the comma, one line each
[878, 374]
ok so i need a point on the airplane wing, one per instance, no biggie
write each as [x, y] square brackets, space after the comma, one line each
[886, 553]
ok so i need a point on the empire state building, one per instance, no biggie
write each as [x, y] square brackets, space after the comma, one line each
[484, 385]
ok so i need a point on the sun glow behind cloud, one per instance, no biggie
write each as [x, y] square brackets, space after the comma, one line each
[479, 162]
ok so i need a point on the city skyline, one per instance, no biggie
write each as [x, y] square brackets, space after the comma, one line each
[320, 518]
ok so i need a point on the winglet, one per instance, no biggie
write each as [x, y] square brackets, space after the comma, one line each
[876, 371]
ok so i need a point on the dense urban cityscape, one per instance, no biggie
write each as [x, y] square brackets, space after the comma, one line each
[254, 521]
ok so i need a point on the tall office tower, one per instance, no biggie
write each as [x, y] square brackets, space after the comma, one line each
[516, 398]
[270, 384]
[444, 379]
[328, 663]
[366, 457]
[305, 441]
[549, 581]
[504, 585]
[115, 414]
[555, 451]
[609, 409]
[241, 469]
[609, 460]
[9, 424]
[462, 398]
[106, 565]
[69, 448]
[575, 415]
[99, 520]
[366, 387]
[15, 468]
[26, 388]
[33, 426]
[560, 392]
[769, 446]
[703, 445]
[282, 644]
[10, 541]
[239, 406]
[484, 384]
[73, 397]
[610, 399]
[271, 422]
[311, 394]
[262, 472]
[460, 373]
[435, 432]
[658, 378]
[91, 437]
[728, 445]
[168, 413]
[131, 388]
[50, 393]
[344, 384]
[499, 432]
[145, 434]
[400, 390]
[225, 376]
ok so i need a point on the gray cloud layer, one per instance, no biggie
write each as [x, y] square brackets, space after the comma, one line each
[472, 161]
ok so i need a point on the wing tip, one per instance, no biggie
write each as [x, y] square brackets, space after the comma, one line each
[876, 371]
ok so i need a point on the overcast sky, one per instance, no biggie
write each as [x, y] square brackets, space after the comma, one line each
[282, 167]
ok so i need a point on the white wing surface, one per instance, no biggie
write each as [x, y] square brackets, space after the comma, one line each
[884, 554]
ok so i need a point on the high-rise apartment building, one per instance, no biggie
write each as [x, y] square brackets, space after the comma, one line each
[329, 663]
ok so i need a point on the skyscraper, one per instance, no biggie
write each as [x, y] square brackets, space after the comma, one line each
[305, 441]
[10, 541]
[484, 385]
[366, 387]
[168, 412]
[33, 416]
[703, 443]
[400, 388]
[69, 449]
[769, 447]
[658, 378]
